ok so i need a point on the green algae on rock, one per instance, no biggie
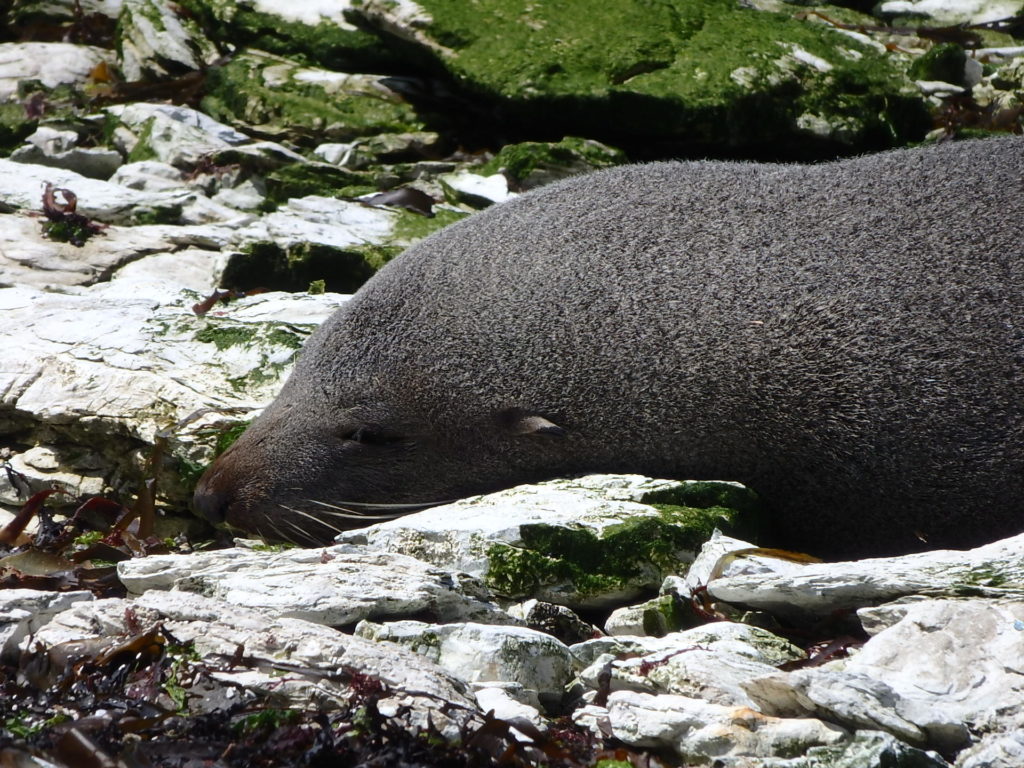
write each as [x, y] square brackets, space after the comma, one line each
[317, 32]
[636, 552]
[286, 98]
[708, 74]
[533, 163]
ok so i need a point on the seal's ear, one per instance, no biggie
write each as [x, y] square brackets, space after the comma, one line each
[516, 421]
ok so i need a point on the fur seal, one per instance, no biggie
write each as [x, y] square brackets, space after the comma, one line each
[845, 338]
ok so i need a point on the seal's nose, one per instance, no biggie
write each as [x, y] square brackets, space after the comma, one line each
[209, 502]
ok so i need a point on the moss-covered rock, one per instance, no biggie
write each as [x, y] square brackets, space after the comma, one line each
[589, 542]
[317, 32]
[155, 39]
[702, 74]
[15, 126]
[591, 565]
[341, 243]
[285, 98]
[943, 62]
[532, 164]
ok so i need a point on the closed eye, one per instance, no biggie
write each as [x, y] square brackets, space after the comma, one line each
[372, 434]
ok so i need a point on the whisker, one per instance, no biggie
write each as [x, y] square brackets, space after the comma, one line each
[351, 514]
[375, 505]
[308, 516]
[277, 534]
[300, 536]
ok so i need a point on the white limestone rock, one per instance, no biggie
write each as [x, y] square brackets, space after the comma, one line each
[154, 41]
[327, 221]
[951, 12]
[478, 653]
[476, 190]
[975, 686]
[175, 135]
[150, 176]
[866, 749]
[487, 535]
[993, 570]
[98, 372]
[58, 148]
[22, 185]
[24, 611]
[29, 259]
[52, 64]
[708, 662]
[331, 586]
[505, 701]
[704, 733]
[936, 672]
[1001, 750]
[656, 617]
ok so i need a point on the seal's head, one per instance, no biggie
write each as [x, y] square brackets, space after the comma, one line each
[363, 431]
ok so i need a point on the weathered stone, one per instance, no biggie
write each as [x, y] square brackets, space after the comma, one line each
[709, 663]
[178, 136]
[556, 620]
[1002, 750]
[563, 541]
[480, 653]
[24, 611]
[92, 163]
[319, 238]
[156, 41]
[51, 64]
[474, 190]
[993, 570]
[656, 617]
[506, 701]
[103, 370]
[332, 586]
[866, 749]
[703, 733]
[951, 12]
[22, 185]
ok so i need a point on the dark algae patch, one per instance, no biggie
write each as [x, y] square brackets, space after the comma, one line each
[293, 268]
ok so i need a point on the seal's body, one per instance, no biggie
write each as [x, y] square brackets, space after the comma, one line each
[847, 339]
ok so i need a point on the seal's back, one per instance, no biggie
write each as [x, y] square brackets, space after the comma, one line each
[846, 338]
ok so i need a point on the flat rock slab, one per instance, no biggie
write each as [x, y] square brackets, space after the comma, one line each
[702, 732]
[709, 662]
[331, 586]
[817, 589]
[479, 653]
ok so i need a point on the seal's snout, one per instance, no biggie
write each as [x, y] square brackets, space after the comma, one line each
[209, 501]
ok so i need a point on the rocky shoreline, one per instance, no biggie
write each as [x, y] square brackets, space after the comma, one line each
[153, 153]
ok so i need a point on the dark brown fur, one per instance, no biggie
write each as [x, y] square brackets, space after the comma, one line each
[846, 338]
